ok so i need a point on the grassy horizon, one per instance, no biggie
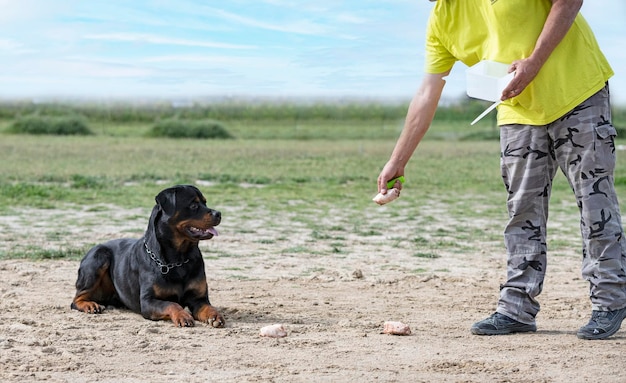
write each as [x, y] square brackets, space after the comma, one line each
[306, 174]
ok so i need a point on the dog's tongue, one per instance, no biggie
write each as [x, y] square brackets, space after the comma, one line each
[213, 231]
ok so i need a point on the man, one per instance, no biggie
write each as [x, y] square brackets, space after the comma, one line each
[555, 114]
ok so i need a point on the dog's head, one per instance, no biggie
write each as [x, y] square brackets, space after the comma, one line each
[181, 212]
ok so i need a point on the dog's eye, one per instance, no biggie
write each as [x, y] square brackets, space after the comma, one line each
[193, 206]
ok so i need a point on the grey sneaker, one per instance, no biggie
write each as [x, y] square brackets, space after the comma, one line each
[602, 324]
[498, 324]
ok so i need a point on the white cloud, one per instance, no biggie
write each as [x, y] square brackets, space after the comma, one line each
[155, 39]
[9, 45]
[301, 26]
[17, 12]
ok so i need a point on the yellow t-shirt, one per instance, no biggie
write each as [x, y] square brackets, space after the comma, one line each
[506, 30]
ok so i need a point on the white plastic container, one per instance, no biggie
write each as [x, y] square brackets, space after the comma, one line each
[487, 79]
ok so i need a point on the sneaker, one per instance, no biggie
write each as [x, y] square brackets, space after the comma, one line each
[498, 324]
[602, 324]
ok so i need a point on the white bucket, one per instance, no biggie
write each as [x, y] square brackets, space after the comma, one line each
[487, 79]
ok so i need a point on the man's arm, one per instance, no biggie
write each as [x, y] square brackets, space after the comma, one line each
[418, 119]
[559, 21]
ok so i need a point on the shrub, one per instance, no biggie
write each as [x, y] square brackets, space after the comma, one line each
[175, 128]
[68, 125]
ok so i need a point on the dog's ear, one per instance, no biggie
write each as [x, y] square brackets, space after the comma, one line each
[166, 200]
[155, 216]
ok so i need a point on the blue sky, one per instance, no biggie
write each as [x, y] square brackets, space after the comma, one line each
[186, 50]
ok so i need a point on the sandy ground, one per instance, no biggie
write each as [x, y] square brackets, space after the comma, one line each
[333, 308]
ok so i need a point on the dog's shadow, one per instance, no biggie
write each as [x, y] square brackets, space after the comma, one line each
[263, 315]
[256, 317]
[235, 317]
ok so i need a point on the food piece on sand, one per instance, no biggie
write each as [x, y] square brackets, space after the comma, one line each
[273, 331]
[396, 328]
[382, 199]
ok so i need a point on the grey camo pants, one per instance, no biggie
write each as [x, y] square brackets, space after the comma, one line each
[581, 145]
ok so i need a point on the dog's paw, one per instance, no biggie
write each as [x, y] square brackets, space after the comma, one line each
[210, 315]
[88, 307]
[183, 319]
[217, 321]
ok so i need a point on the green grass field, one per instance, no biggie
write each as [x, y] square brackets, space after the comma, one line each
[85, 169]
[328, 166]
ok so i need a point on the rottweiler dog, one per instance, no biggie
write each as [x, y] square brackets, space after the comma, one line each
[160, 274]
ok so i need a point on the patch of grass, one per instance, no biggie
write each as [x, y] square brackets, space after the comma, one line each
[397, 242]
[24, 194]
[235, 179]
[98, 208]
[223, 254]
[246, 231]
[555, 245]
[238, 277]
[337, 228]
[65, 125]
[318, 235]
[483, 135]
[370, 233]
[451, 244]
[468, 233]
[24, 190]
[420, 241]
[427, 255]
[313, 270]
[36, 253]
[443, 233]
[80, 181]
[176, 128]
[297, 249]
[338, 248]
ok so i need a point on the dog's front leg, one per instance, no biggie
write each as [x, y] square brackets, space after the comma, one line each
[169, 310]
[161, 301]
[163, 310]
[197, 299]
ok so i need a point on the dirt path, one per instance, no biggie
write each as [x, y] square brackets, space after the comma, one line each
[334, 318]
[334, 333]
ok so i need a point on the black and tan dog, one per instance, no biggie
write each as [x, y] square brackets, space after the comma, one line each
[160, 274]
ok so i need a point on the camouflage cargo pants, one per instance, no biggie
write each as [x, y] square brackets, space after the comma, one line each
[581, 145]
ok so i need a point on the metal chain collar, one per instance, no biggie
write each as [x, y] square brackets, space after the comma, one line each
[164, 268]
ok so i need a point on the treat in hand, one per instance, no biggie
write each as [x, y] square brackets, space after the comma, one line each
[382, 199]
[392, 193]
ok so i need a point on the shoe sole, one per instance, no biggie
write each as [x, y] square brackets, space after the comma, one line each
[615, 328]
[479, 331]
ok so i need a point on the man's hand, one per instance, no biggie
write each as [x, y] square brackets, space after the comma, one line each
[525, 71]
